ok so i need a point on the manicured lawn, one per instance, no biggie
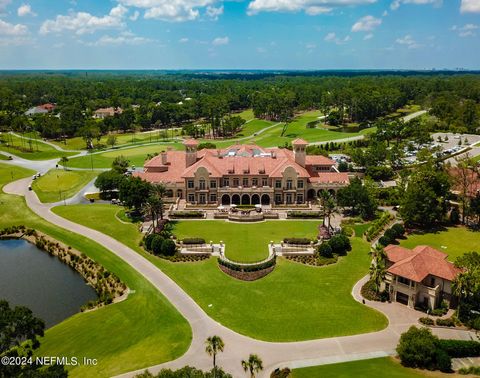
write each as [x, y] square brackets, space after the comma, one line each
[254, 126]
[247, 115]
[136, 155]
[143, 330]
[58, 184]
[294, 302]
[3, 157]
[30, 149]
[246, 242]
[457, 241]
[78, 143]
[374, 368]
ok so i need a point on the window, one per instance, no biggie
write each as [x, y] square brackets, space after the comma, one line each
[278, 184]
[289, 198]
[432, 282]
[226, 182]
[213, 197]
[191, 198]
[278, 198]
[299, 198]
[255, 182]
[202, 184]
[289, 184]
[264, 181]
[213, 184]
[190, 184]
[236, 182]
[403, 280]
[245, 181]
[300, 184]
[203, 198]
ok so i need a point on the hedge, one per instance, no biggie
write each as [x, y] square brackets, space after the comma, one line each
[193, 241]
[247, 268]
[460, 348]
[302, 241]
[304, 214]
[187, 214]
[377, 226]
[426, 321]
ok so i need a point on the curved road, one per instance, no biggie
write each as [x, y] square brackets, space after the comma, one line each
[237, 347]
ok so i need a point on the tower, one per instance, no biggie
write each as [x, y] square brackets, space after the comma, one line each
[300, 151]
[191, 146]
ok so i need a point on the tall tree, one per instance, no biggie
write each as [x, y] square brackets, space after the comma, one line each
[253, 365]
[214, 345]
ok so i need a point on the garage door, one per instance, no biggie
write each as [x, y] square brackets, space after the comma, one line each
[402, 298]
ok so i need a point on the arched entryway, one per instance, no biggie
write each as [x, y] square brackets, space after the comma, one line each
[236, 199]
[225, 199]
[245, 199]
[311, 195]
[179, 193]
[255, 199]
[265, 199]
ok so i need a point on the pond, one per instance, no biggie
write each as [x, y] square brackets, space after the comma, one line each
[32, 278]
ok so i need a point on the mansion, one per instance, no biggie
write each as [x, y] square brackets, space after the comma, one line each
[244, 174]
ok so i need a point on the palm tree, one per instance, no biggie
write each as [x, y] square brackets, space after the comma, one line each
[327, 202]
[377, 274]
[159, 190]
[213, 345]
[148, 209]
[378, 253]
[254, 364]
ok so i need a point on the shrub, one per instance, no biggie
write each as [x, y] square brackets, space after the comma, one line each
[283, 373]
[187, 214]
[445, 322]
[148, 241]
[398, 229]
[193, 241]
[426, 321]
[347, 231]
[475, 370]
[340, 244]
[302, 241]
[390, 234]
[168, 247]
[325, 250]
[385, 240]
[460, 348]
[156, 245]
[476, 323]
[376, 228]
[454, 216]
[304, 214]
[418, 348]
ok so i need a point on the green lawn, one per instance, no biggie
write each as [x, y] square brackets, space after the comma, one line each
[247, 115]
[374, 368]
[246, 242]
[143, 330]
[457, 241]
[29, 149]
[78, 143]
[296, 302]
[3, 157]
[58, 184]
[136, 155]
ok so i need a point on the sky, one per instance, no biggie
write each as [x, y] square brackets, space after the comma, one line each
[239, 34]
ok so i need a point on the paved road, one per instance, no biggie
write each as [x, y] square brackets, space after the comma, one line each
[295, 354]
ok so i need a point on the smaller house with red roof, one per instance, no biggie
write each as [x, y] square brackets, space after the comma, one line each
[41, 109]
[419, 277]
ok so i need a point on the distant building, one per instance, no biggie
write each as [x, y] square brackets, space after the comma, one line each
[103, 113]
[244, 174]
[41, 109]
[419, 277]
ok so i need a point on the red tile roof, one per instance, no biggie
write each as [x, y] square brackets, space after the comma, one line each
[420, 262]
[299, 142]
[238, 160]
[191, 142]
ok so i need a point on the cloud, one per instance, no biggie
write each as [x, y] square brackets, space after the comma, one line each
[170, 10]
[25, 10]
[368, 36]
[366, 24]
[396, 3]
[310, 7]
[408, 41]
[332, 37]
[470, 6]
[467, 30]
[12, 30]
[4, 4]
[214, 13]
[183, 40]
[122, 39]
[134, 16]
[83, 22]
[219, 41]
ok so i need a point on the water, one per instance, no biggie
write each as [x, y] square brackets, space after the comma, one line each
[32, 278]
